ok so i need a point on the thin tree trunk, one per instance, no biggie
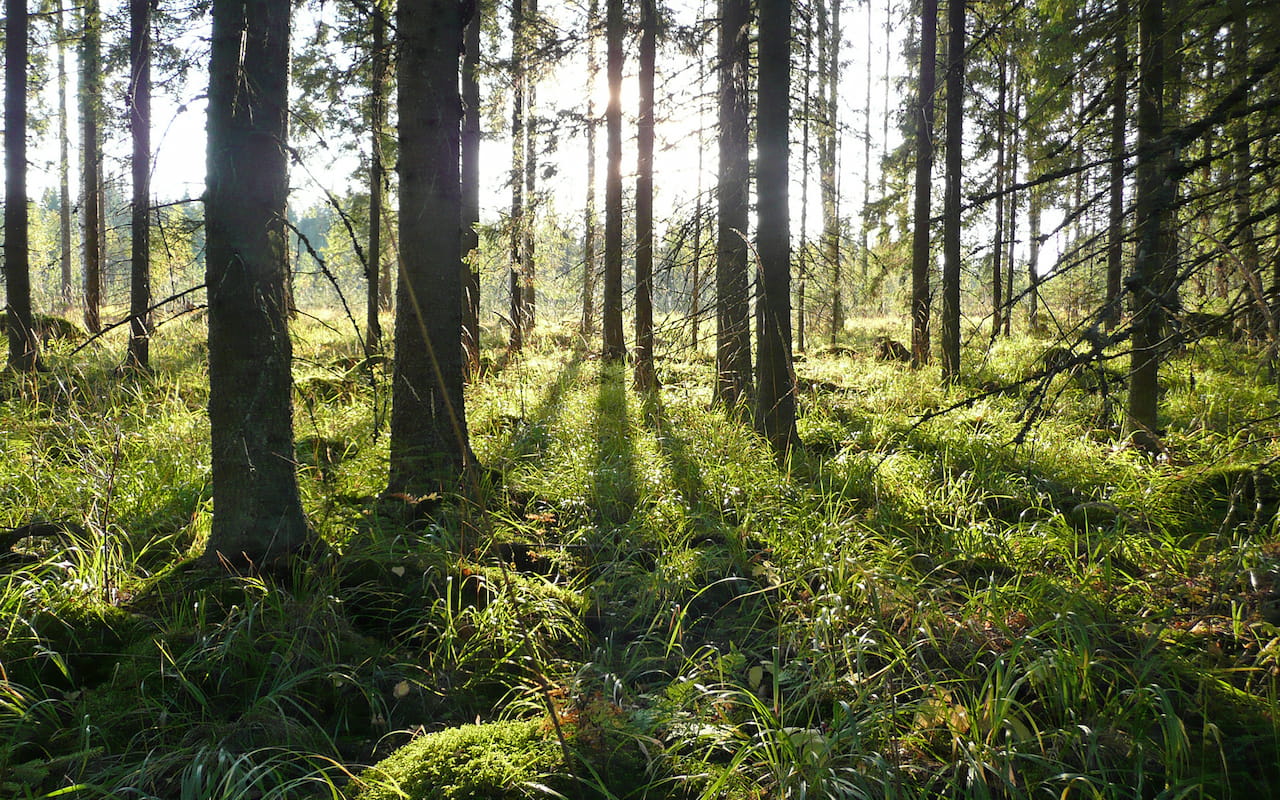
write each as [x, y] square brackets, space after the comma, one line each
[528, 263]
[1034, 199]
[997, 251]
[140, 125]
[952, 211]
[377, 124]
[470, 166]
[589, 223]
[430, 449]
[829, 169]
[775, 415]
[864, 258]
[614, 348]
[518, 120]
[802, 275]
[1115, 210]
[64, 185]
[91, 180]
[733, 314]
[920, 266]
[257, 514]
[646, 378]
[1014, 151]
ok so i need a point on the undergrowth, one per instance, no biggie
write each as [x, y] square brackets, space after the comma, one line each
[640, 602]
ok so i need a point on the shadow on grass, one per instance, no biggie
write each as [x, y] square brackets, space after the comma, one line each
[614, 477]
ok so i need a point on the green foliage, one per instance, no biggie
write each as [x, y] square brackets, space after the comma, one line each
[913, 606]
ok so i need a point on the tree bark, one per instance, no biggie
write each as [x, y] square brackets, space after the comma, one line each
[64, 184]
[828, 165]
[429, 441]
[257, 514]
[518, 120]
[377, 124]
[1115, 209]
[733, 313]
[953, 202]
[1149, 203]
[470, 166]
[920, 266]
[646, 379]
[997, 251]
[21, 333]
[775, 415]
[139, 355]
[589, 212]
[528, 263]
[91, 179]
[614, 347]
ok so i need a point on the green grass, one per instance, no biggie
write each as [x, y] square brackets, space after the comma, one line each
[913, 606]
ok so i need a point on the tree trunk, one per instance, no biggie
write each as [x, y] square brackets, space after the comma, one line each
[64, 184]
[528, 263]
[614, 347]
[775, 389]
[140, 227]
[91, 179]
[470, 165]
[828, 166]
[1034, 199]
[518, 120]
[920, 267]
[429, 442]
[21, 334]
[1149, 202]
[257, 515]
[864, 256]
[952, 207]
[1115, 209]
[646, 379]
[1015, 150]
[997, 251]
[589, 213]
[377, 123]
[733, 311]
[806, 118]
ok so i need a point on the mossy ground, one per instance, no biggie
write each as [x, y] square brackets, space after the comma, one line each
[911, 606]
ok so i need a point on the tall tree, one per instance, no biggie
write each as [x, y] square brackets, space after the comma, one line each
[920, 244]
[997, 250]
[611, 311]
[470, 166]
[91, 155]
[589, 233]
[518, 154]
[257, 514]
[377, 123]
[828, 158]
[140, 226]
[429, 441]
[21, 334]
[64, 183]
[775, 412]
[528, 260]
[733, 314]
[645, 376]
[1115, 210]
[1151, 196]
[952, 205]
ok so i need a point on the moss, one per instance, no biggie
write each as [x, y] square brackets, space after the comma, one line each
[496, 760]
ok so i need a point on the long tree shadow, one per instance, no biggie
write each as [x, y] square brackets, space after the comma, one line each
[685, 471]
[529, 432]
[614, 476]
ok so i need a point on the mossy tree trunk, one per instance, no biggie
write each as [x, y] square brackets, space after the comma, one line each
[257, 515]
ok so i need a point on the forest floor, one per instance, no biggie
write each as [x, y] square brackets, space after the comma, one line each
[1003, 600]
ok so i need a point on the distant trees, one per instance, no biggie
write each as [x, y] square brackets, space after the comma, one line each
[257, 514]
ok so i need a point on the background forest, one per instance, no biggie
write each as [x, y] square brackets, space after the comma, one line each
[634, 399]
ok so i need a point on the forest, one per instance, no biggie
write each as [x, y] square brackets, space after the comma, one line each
[414, 399]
